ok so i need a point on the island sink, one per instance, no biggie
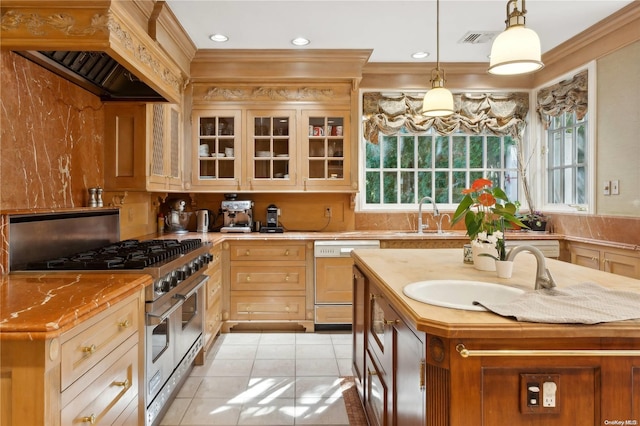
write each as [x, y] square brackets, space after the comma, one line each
[460, 294]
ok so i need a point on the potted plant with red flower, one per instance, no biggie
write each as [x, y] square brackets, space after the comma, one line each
[484, 209]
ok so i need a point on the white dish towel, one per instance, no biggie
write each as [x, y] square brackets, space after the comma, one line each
[586, 303]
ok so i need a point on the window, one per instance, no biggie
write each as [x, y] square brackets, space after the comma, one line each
[403, 168]
[567, 159]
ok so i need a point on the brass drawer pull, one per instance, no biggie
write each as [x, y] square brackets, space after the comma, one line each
[247, 253]
[248, 278]
[125, 324]
[124, 384]
[89, 419]
[465, 353]
[286, 278]
[89, 349]
[390, 322]
[286, 253]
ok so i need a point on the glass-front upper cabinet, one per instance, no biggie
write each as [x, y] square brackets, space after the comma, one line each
[325, 148]
[271, 153]
[217, 148]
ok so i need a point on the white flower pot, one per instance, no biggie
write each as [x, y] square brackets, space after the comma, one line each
[504, 268]
[484, 263]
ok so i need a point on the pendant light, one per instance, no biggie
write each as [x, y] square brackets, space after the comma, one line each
[438, 102]
[517, 49]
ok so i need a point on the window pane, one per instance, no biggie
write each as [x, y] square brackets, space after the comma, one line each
[390, 186]
[493, 152]
[459, 154]
[424, 184]
[476, 152]
[442, 187]
[406, 152]
[457, 185]
[581, 184]
[373, 187]
[390, 152]
[556, 150]
[407, 188]
[568, 185]
[442, 152]
[581, 145]
[373, 156]
[424, 152]
[568, 147]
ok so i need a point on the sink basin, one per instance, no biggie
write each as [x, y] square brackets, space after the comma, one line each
[460, 294]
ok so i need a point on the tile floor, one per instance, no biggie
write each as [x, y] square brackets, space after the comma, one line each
[267, 379]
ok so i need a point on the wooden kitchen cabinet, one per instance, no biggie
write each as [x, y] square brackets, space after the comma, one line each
[143, 147]
[285, 139]
[93, 371]
[609, 259]
[213, 311]
[388, 359]
[269, 284]
[333, 293]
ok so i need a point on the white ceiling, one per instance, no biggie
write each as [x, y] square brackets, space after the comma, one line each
[392, 29]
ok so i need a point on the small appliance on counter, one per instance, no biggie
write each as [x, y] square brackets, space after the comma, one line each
[178, 219]
[238, 214]
[202, 220]
[271, 225]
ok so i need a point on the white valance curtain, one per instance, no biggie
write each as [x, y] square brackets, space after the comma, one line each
[570, 95]
[498, 114]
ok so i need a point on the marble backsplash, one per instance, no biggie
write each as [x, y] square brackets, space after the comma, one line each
[52, 138]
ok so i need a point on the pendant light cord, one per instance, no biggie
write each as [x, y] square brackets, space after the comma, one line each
[438, 35]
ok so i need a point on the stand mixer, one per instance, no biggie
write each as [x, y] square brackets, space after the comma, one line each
[238, 215]
[177, 219]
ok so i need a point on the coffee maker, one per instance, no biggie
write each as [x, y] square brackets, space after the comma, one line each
[238, 215]
[271, 225]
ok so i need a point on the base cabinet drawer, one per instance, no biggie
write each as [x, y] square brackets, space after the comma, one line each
[334, 314]
[106, 391]
[267, 307]
[96, 340]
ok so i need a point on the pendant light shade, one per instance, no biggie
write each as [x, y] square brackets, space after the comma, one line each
[517, 49]
[438, 102]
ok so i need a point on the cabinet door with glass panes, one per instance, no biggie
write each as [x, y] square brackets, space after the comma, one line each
[325, 149]
[217, 149]
[271, 150]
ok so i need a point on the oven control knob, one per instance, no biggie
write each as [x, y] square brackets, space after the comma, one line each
[174, 281]
[180, 275]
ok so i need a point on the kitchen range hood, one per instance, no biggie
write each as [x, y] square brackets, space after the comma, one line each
[96, 72]
[118, 50]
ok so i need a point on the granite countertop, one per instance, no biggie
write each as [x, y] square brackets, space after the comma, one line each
[42, 306]
[395, 268]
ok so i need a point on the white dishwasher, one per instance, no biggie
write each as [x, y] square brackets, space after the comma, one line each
[334, 281]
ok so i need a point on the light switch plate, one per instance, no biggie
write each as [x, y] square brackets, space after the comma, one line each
[615, 187]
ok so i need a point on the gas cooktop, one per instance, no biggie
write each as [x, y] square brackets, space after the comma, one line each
[127, 254]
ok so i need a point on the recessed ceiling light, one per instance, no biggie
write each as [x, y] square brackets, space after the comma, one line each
[220, 38]
[420, 55]
[300, 41]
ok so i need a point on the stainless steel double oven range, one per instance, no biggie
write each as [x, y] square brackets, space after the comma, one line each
[174, 303]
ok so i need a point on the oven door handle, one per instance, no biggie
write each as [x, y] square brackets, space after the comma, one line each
[155, 319]
[193, 291]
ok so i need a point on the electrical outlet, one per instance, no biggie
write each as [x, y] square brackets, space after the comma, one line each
[327, 211]
[606, 189]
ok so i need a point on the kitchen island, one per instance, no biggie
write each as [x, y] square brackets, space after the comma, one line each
[420, 364]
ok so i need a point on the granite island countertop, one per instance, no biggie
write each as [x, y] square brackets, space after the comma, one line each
[395, 268]
[44, 305]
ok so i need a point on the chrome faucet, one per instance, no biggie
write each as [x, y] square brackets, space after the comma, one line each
[436, 213]
[439, 222]
[544, 279]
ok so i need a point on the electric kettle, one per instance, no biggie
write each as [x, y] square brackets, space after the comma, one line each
[202, 219]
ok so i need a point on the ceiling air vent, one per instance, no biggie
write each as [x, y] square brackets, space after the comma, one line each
[478, 37]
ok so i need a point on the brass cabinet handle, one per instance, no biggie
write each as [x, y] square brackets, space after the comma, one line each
[89, 419]
[247, 253]
[286, 252]
[248, 278]
[390, 322]
[422, 365]
[372, 373]
[124, 324]
[286, 278]
[124, 384]
[89, 349]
